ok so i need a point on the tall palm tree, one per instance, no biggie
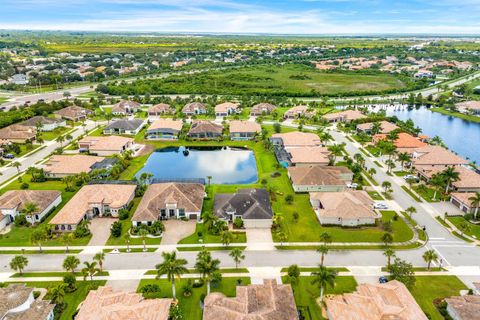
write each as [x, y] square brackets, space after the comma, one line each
[207, 267]
[325, 237]
[404, 157]
[17, 166]
[323, 250]
[172, 268]
[60, 139]
[450, 176]
[237, 256]
[429, 257]
[324, 278]
[437, 182]
[127, 239]
[30, 208]
[475, 203]
[90, 269]
[411, 210]
[67, 238]
[389, 253]
[99, 257]
[71, 263]
[57, 293]
[38, 236]
[226, 237]
[143, 233]
[387, 238]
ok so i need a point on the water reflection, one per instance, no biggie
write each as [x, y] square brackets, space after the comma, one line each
[225, 165]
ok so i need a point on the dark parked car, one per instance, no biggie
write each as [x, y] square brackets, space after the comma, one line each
[8, 156]
[382, 279]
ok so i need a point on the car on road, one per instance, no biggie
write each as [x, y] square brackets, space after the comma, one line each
[411, 176]
[380, 205]
[382, 279]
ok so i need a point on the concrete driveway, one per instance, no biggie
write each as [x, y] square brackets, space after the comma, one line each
[176, 230]
[100, 229]
[259, 239]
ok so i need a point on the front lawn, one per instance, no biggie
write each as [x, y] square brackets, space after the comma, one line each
[428, 193]
[190, 306]
[238, 237]
[52, 135]
[429, 288]
[474, 228]
[375, 195]
[306, 294]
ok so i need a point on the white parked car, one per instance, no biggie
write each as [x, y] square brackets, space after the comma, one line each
[410, 176]
[352, 185]
[380, 205]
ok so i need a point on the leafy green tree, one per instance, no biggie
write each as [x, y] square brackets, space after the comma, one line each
[38, 236]
[387, 238]
[389, 253]
[172, 268]
[237, 255]
[19, 263]
[293, 274]
[402, 271]
[67, 238]
[71, 263]
[143, 234]
[475, 203]
[226, 237]
[90, 269]
[411, 210]
[450, 175]
[430, 256]
[99, 257]
[207, 267]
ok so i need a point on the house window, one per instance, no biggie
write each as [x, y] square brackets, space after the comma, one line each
[163, 213]
[181, 213]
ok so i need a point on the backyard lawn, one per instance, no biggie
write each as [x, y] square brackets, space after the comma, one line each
[429, 288]
[306, 294]
[190, 306]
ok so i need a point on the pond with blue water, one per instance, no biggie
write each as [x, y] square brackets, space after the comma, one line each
[224, 165]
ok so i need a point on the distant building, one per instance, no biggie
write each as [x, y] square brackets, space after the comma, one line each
[19, 79]
[385, 127]
[262, 109]
[463, 307]
[205, 130]
[18, 303]
[298, 112]
[194, 108]
[59, 166]
[160, 109]
[344, 116]
[125, 108]
[295, 139]
[226, 109]
[73, 113]
[244, 130]
[164, 129]
[105, 146]
[46, 124]
[127, 127]
[18, 133]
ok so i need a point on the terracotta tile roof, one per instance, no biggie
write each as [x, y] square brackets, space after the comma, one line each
[317, 175]
[39, 310]
[32, 122]
[18, 198]
[386, 127]
[73, 112]
[260, 108]
[390, 300]
[244, 126]
[166, 124]
[463, 197]
[299, 110]
[267, 301]
[435, 155]
[18, 132]
[161, 108]
[309, 155]
[298, 139]
[106, 304]
[74, 164]
[113, 195]
[200, 126]
[190, 107]
[353, 204]
[16, 296]
[188, 196]
[468, 177]
[404, 141]
[113, 143]
[224, 107]
[346, 115]
[465, 307]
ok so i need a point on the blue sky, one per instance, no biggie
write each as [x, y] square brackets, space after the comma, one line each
[246, 16]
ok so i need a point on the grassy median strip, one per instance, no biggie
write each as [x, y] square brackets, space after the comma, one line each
[411, 194]
[227, 248]
[38, 251]
[54, 274]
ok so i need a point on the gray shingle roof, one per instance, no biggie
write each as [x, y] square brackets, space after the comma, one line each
[125, 124]
[248, 203]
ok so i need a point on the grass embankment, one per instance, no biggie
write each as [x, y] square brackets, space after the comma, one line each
[467, 117]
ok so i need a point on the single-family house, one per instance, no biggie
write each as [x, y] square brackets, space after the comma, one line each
[244, 130]
[295, 139]
[469, 179]
[261, 109]
[251, 205]
[18, 133]
[105, 303]
[319, 178]
[73, 113]
[59, 166]
[164, 129]
[308, 156]
[125, 107]
[105, 146]
[205, 130]
[462, 201]
[124, 126]
[267, 301]
[379, 301]
[170, 200]
[344, 116]
[403, 143]
[194, 108]
[93, 200]
[226, 109]
[384, 127]
[298, 112]
[463, 307]
[469, 107]
[347, 208]
[435, 157]
[160, 109]
[13, 202]
[44, 124]
[19, 303]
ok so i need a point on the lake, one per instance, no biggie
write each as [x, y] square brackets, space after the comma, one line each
[225, 165]
[459, 135]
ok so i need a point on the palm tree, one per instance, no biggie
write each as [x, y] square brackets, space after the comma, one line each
[411, 210]
[99, 257]
[19, 263]
[226, 237]
[38, 236]
[335, 151]
[325, 136]
[372, 171]
[475, 203]
[90, 269]
[207, 267]
[209, 178]
[60, 139]
[143, 233]
[437, 182]
[172, 268]
[323, 250]
[57, 293]
[237, 256]
[386, 185]
[429, 257]
[390, 165]
[282, 237]
[450, 175]
[389, 253]
[127, 239]
[387, 238]
[404, 157]
[30, 208]
[323, 278]
[376, 128]
[325, 237]
[17, 166]
[68, 181]
[71, 263]
[67, 238]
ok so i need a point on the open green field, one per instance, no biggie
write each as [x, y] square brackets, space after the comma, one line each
[289, 80]
[190, 306]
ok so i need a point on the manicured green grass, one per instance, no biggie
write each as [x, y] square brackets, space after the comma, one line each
[439, 219]
[190, 305]
[467, 117]
[52, 274]
[378, 163]
[72, 299]
[375, 151]
[429, 288]
[375, 195]
[474, 229]
[427, 194]
[222, 248]
[285, 80]
[37, 251]
[400, 173]
[306, 294]
[52, 135]
[410, 193]
[193, 271]
[238, 237]
[310, 269]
